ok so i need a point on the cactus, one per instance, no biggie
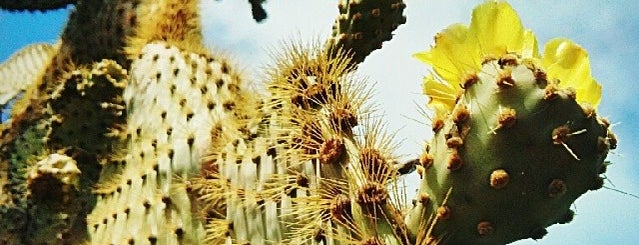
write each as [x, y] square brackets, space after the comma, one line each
[363, 26]
[517, 137]
[141, 135]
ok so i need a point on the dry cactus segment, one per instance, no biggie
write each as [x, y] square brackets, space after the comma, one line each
[54, 177]
[258, 12]
[35, 5]
[363, 25]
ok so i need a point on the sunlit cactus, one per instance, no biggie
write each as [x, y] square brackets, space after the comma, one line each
[139, 134]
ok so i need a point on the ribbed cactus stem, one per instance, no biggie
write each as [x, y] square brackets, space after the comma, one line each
[175, 100]
[97, 30]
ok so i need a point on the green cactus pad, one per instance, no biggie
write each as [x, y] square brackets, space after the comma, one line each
[515, 153]
[363, 25]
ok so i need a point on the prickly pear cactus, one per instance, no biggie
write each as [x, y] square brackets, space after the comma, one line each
[363, 26]
[518, 138]
[139, 134]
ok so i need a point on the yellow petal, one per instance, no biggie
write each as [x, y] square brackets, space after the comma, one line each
[568, 62]
[591, 93]
[441, 109]
[455, 54]
[442, 95]
[529, 47]
[497, 27]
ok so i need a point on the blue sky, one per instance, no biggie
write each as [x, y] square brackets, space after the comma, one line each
[609, 30]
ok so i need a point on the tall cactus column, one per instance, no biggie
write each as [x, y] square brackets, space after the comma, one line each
[179, 95]
[175, 101]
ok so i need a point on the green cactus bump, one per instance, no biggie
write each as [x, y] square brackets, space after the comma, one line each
[522, 140]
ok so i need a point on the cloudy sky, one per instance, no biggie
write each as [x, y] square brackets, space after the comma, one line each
[609, 30]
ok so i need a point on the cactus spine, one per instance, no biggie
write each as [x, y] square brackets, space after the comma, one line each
[152, 139]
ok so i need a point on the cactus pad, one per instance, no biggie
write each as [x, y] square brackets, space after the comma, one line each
[515, 153]
[363, 25]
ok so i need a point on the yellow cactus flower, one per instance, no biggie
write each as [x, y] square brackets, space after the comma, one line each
[568, 62]
[495, 29]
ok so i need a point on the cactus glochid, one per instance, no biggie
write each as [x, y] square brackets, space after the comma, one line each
[141, 135]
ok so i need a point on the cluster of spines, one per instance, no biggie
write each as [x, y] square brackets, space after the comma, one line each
[508, 114]
[323, 119]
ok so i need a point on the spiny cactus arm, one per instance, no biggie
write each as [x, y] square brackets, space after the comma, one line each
[517, 146]
[24, 68]
[33, 5]
[363, 25]
[319, 103]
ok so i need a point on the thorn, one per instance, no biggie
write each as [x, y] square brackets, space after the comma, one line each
[570, 151]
